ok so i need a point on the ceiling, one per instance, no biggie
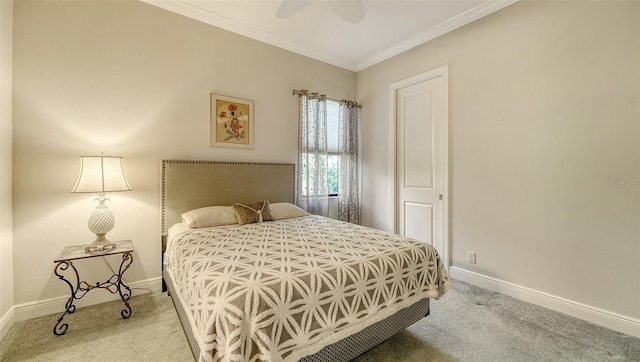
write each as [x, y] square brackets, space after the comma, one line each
[389, 27]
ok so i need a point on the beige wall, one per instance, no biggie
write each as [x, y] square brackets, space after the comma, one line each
[545, 147]
[6, 217]
[130, 79]
[544, 134]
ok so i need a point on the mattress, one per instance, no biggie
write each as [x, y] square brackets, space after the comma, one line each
[283, 290]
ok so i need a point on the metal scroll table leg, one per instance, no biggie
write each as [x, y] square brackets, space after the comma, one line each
[123, 289]
[60, 329]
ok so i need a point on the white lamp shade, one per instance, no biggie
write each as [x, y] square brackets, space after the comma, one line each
[99, 174]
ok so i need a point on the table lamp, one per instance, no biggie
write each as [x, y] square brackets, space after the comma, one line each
[100, 174]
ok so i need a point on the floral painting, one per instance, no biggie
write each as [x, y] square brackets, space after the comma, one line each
[231, 122]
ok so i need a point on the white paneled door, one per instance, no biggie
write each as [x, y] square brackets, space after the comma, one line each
[421, 144]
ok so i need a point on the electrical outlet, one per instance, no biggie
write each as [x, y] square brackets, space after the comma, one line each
[471, 257]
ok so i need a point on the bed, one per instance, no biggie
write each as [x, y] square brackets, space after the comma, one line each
[298, 287]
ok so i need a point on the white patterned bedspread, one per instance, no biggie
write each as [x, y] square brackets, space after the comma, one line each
[281, 290]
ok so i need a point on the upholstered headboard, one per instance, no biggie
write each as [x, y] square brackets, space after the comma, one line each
[188, 185]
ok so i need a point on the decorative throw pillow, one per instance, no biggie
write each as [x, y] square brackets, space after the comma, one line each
[252, 213]
[210, 216]
[285, 210]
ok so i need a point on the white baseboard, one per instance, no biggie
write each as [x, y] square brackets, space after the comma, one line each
[7, 321]
[611, 320]
[56, 305]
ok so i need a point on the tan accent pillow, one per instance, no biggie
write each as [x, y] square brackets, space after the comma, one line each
[285, 210]
[252, 213]
[210, 216]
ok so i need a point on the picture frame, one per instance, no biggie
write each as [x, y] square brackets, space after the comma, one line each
[232, 122]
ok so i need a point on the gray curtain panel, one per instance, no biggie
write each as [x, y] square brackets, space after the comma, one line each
[349, 183]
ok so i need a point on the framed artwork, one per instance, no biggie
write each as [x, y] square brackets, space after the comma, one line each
[231, 122]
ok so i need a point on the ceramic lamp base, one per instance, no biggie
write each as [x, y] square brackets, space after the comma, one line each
[100, 223]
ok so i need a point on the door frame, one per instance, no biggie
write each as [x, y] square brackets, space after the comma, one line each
[442, 71]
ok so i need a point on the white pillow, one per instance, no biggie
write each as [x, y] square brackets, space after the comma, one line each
[210, 216]
[285, 210]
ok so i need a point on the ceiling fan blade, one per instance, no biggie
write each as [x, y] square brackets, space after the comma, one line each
[350, 10]
[288, 8]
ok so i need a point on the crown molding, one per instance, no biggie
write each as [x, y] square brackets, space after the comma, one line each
[208, 17]
[465, 18]
[211, 18]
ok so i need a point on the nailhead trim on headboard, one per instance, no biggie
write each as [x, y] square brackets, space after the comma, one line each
[200, 162]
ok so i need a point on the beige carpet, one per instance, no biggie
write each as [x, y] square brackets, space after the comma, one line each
[98, 333]
[468, 324]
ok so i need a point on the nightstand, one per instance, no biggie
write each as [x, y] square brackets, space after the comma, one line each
[114, 284]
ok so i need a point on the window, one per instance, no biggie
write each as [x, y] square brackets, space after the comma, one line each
[328, 156]
[333, 120]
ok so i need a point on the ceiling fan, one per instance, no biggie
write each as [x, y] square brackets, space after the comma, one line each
[349, 10]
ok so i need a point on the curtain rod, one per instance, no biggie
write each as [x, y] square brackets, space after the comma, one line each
[305, 92]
